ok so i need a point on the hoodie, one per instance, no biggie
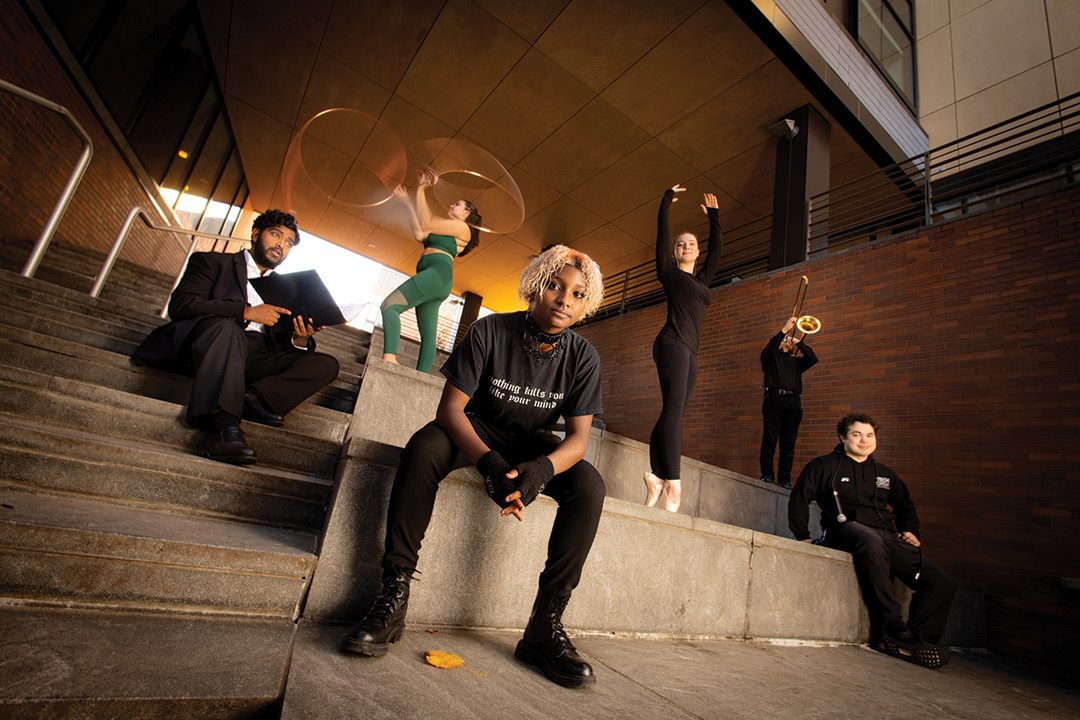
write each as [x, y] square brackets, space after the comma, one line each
[869, 493]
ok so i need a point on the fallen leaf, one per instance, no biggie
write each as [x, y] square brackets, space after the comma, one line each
[441, 659]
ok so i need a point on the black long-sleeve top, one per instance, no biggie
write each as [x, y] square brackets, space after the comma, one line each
[688, 296]
[782, 371]
[869, 492]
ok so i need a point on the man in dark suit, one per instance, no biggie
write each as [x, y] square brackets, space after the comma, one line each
[247, 362]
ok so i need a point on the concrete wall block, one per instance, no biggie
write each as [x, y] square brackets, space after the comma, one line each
[394, 402]
[736, 500]
[350, 552]
[804, 592]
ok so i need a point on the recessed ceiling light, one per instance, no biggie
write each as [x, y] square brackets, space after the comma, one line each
[183, 154]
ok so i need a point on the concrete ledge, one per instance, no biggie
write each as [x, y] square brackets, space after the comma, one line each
[650, 571]
[395, 401]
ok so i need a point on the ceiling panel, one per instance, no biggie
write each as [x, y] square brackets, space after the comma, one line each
[737, 118]
[464, 57]
[377, 38]
[584, 146]
[562, 222]
[634, 179]
[531, 102]
[261, 72]
[598, 40]
[688, 68]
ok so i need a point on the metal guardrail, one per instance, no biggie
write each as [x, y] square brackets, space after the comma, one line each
[746, 253]
[57, 214]
[118, 243]
[1031, 153]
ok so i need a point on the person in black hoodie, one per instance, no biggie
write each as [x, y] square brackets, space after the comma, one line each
[784, 361]
[866, 510]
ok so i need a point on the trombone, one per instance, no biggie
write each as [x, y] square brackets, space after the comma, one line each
[806, 324]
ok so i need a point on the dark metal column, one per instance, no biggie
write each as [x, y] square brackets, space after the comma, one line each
[469, 314]
[802, 171]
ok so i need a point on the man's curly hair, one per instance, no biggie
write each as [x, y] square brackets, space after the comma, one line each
[536, 276]
[275, 218]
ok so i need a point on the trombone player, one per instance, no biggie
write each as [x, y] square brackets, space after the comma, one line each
[784, 361]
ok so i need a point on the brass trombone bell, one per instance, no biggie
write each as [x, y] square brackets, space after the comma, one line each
[808, 324]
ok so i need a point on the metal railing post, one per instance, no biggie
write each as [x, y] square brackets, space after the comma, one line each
[114, 252]
[83, 162]
[625, 290]
[927, 200]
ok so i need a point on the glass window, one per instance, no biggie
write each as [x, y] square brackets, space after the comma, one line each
[884, 30]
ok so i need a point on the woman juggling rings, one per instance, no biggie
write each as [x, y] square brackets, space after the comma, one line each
[444, 238]
[675, 348]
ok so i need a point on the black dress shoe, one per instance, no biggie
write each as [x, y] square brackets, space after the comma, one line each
[228, 446]
[255, 412]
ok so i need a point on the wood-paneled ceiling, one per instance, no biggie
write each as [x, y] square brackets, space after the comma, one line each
[594, 106]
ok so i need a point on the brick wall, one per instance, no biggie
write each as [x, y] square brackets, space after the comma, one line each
[964, 343]
[39, 151]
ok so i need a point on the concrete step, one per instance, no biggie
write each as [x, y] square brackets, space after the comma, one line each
[62, 358]
[75, 405]
[34, 458]
[57, 549]
[65, 663]
[16, 288]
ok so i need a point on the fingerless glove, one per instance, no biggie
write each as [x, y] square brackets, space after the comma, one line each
[533, 475]
[493, 468]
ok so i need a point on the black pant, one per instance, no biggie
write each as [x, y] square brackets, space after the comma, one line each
[676, 366]
[782, 414]
[879, 555]
[430, 455]
[227, 360]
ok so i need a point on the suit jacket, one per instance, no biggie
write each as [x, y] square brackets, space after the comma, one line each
[213, 285]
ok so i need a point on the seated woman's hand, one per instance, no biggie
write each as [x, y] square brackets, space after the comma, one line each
[532, 476]
[494, 469]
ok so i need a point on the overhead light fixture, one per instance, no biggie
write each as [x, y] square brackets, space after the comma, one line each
[183, 154]
[785, 128]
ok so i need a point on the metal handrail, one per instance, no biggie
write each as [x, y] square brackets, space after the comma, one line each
[981, 168]
[118, 243]
[38, 251]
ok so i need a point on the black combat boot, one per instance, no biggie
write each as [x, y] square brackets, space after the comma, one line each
[385, 621]
[545, 644]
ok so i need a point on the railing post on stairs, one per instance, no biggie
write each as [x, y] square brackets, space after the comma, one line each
[73, 181]
[118, 243]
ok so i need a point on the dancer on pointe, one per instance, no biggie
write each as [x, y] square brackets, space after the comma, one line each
[444, 239]
[675, 348]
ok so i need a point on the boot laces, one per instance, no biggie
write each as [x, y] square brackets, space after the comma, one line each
[394, 591]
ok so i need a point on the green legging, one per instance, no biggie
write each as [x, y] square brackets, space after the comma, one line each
[424, 291]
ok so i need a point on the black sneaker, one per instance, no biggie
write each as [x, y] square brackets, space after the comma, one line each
[918, 652]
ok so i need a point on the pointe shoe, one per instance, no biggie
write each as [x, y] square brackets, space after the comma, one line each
[672, 495]
[655, 487]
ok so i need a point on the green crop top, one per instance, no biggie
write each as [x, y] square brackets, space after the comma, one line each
[446, 243]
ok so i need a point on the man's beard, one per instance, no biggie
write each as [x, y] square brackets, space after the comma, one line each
[258, 252]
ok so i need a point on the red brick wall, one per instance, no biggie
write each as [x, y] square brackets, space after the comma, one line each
[39, 150]
[964, 343]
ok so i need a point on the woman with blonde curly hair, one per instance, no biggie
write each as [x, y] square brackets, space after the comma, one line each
[509, 380]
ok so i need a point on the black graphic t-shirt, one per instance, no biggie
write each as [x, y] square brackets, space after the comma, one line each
[510, 389]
